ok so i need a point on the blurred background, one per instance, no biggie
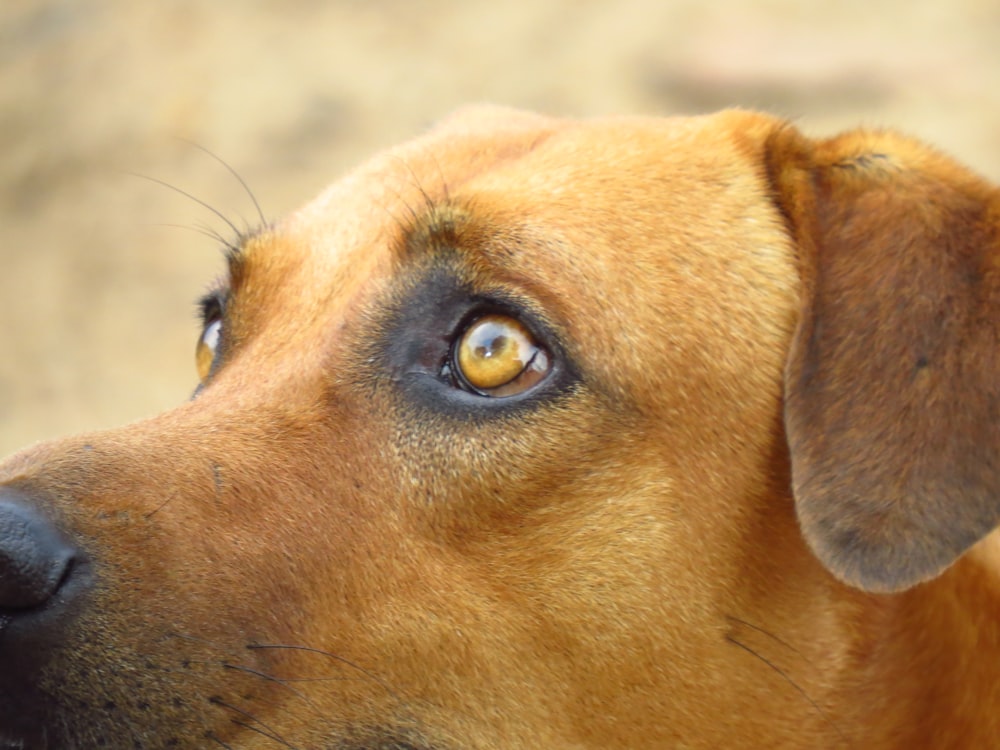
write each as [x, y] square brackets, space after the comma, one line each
[99, 266]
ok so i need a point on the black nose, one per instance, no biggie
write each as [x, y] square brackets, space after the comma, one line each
[35, 559]
[41, 577]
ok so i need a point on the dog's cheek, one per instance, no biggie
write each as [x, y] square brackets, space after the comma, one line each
[545, 529]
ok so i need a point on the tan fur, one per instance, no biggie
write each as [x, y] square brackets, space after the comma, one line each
[619, 564]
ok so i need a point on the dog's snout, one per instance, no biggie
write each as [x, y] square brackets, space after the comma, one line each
[43, 575]
[35, 557]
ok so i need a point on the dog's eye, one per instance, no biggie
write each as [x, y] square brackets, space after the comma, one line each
[208, 345]
[497, 356]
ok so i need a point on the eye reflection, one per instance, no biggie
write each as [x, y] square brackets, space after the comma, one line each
[207, 348]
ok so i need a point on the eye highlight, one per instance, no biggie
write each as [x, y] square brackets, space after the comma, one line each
[497, 356]
[212, 311]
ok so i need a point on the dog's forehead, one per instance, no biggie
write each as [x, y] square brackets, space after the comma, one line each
[515, 166]
[637, 218]
[403, 180]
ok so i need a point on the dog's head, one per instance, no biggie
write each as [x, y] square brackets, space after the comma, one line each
[500, 441]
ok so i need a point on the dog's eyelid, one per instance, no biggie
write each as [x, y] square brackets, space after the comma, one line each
[212, 306]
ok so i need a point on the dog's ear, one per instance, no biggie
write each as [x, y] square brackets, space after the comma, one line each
[892, 385]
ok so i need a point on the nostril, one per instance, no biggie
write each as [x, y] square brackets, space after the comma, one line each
[34, 557]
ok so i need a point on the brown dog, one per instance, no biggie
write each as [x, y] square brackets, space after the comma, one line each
[539, 434]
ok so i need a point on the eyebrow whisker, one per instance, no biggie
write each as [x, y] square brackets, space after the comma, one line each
[197, 200]
[205, 232]
[234, 173]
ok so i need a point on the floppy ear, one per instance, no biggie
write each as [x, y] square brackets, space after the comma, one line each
[892, 385]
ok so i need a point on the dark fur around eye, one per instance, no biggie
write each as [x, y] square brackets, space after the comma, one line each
[212, 306]
[417, 337]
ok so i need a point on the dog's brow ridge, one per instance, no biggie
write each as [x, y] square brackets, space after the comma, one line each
[441, 226]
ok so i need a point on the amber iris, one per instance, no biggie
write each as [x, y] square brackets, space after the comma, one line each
[498, 356]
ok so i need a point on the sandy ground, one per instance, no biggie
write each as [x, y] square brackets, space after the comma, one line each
[100, 266]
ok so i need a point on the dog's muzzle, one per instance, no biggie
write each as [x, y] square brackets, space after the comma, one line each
[41, 580]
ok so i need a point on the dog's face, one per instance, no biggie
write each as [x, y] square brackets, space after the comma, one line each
[489, 451]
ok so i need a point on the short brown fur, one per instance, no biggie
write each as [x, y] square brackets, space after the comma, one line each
[756, 512]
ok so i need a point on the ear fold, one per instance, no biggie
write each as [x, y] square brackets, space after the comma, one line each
[892, 393]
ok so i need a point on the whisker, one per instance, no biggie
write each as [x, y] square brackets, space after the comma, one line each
[443, 180]
[205, 232]
[161, 506]
[768, 633]
[211, 736]
[784, 675]
[273, 733]
[234, 173]
[188, 195]
[218, 237]
[276, 738]
[340, 659]
[410, 211]
[270, 678]
[428, 201]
